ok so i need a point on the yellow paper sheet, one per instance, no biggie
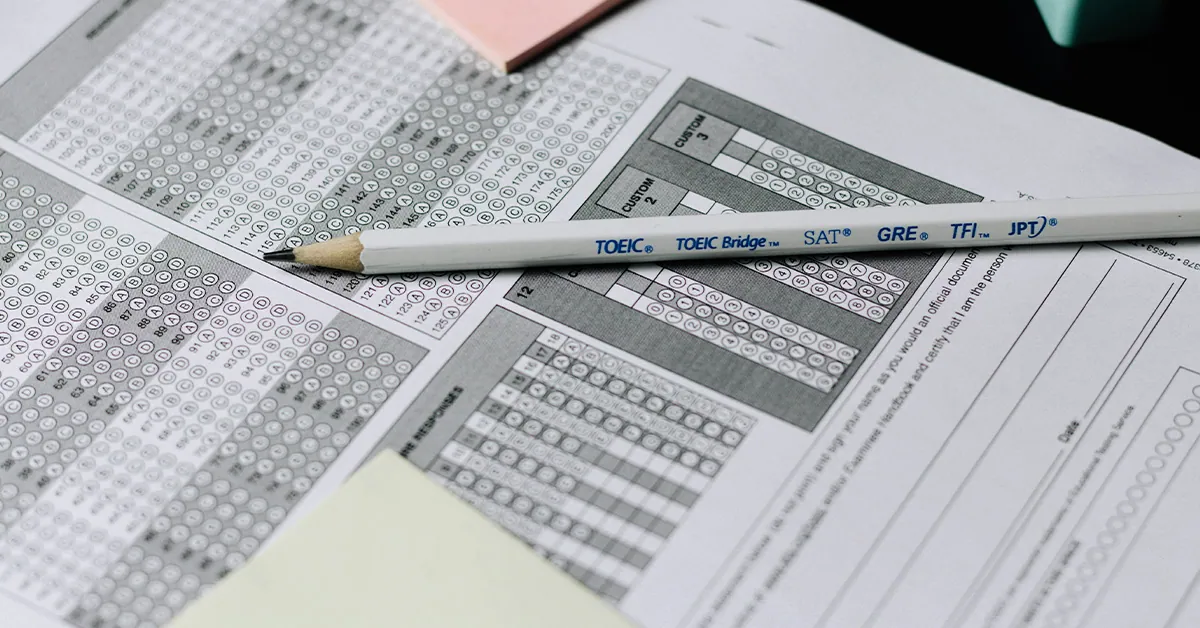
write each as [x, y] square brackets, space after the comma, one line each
[391, 548]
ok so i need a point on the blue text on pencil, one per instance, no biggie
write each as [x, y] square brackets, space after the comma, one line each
[622, 245]
[898, 234]
[1032, 228]
[707, 243]
[824, 236]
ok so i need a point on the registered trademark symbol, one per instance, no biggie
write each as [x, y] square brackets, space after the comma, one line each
[924, 236]
[1053, 221]
[845, 232]
[649, 248]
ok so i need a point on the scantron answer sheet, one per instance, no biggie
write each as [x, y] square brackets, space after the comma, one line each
[984, 438]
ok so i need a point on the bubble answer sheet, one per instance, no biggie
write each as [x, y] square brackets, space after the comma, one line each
[981, 437]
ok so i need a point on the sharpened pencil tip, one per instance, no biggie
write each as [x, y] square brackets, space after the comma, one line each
[282, 255]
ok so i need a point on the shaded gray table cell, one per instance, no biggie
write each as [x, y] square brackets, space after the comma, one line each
[694, 133]
[634, 281]
[636, 194]
[596, 279]
[739, 152]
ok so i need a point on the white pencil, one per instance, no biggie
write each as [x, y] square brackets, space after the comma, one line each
[742, 235]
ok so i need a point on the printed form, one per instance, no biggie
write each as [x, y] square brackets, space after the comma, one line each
[984, 437]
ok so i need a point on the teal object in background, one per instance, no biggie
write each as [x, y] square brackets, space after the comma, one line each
[1078, 22]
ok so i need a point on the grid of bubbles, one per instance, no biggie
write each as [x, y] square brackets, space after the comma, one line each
[319, 141]
[1173, 445]
[421, 154]
[403, 173]
[285, 122]
[219, 122]
[236, 499]
[431, 302]
[586, 94]
[590, 459]
[134, 365]
[26, 332]
[461, 147]
[806, 180]
[113, 485]
[41, 316]
[114, 498]
[725, 321]
[844, 282]
[60, 408]
[135, 88]
[88, 257]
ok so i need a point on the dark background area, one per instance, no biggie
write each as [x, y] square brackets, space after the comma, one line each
[1148, 85]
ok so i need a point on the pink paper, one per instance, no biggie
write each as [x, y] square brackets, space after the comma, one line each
[510, 32]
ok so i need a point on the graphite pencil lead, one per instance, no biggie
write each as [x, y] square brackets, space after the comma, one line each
[282, 255]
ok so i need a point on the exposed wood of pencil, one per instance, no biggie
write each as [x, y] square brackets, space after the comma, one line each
[339, 253]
